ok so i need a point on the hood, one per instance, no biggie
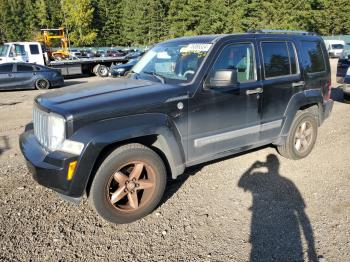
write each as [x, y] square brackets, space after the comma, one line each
[106, 98]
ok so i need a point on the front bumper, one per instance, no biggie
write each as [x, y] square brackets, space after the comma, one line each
[48, 168]
[345, 83]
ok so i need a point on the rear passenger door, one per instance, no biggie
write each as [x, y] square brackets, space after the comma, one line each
[281, 79]
[24, 75]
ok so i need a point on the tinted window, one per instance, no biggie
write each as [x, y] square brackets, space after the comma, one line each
[5, 68]
[276, 59]
[34, 49]
[24, 68]
[314, 57]
[238, 57]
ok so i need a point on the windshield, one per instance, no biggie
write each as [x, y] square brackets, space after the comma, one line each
[177, 62]
[337, 46]
[4, 50]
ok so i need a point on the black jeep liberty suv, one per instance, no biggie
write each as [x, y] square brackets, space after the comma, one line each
[187, 101]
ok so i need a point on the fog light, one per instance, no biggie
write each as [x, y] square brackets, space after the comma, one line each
[71, 169]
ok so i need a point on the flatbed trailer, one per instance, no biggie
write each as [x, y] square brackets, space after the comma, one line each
[34, 52]
[83, 66]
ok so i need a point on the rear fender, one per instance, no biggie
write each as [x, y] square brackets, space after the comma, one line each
[298, 101]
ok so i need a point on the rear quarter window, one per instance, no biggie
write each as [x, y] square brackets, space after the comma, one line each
[314, 58]
[24, 68]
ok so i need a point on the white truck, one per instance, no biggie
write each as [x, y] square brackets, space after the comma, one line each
[334, 47]
[34, 52]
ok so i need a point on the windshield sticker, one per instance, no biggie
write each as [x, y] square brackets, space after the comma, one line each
[195, 48]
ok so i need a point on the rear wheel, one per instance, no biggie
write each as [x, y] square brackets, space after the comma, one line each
[102, 71]
[301, 138]
[42, 84]
[129, 184]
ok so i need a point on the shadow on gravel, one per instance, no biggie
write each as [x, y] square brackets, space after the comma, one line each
[338, 95]
[4, 144]
[70, 83]
[278, 215]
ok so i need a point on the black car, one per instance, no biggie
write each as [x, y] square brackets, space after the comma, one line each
[123, 69]
[188, 101]
[25, 75]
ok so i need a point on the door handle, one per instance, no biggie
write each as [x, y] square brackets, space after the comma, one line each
[10, 75]
[298, 84]
[258, 90]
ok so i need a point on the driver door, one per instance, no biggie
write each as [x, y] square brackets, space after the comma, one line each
[226, 118]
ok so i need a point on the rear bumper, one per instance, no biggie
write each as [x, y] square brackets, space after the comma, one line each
[48, 168]
[326, 110]
[57, 82]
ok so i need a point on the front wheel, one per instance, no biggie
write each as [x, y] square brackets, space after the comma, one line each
[129, 184]
[301, 138]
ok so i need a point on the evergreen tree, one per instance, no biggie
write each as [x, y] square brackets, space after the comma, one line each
[78, 18]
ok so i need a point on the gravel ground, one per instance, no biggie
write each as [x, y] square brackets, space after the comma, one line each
[236, 209]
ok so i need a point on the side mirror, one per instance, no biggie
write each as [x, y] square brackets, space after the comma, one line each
[223, 78]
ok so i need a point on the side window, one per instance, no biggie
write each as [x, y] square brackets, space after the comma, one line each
[34, 49]
[280, 59]
[6, 68]
[237, 56]
[313, 57]
[24, 68]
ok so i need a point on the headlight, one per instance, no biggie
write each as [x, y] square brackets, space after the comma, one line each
[120, 70]
[50, 130]
[348, 72]
[56, 131]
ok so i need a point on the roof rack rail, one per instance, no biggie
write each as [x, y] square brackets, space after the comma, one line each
[269, 31]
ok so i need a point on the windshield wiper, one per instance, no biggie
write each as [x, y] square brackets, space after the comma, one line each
[159, 77]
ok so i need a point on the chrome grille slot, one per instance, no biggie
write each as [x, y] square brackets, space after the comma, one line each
[40, 123]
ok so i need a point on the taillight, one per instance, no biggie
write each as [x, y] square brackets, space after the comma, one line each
[327, 96]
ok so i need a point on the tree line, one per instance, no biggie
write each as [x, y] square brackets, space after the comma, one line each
[145, 22]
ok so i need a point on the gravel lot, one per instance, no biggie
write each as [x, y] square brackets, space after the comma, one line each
[224, 211]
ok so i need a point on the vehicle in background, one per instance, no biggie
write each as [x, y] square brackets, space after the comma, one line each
[75, 53]
[334, 47]
[188, 101]
[123, 69]
[87, 53]
[101, 53]
[115, 53]
[134, 54]
[26, 75]
[34, 52]
[343, 71]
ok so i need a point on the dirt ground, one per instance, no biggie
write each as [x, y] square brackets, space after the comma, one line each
[224, 211]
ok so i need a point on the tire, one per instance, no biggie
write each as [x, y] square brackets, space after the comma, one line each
[94, 70]
[42, 84]
[299, 143]
[102, 71]
[118, 198]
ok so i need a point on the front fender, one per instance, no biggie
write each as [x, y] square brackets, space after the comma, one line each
[97, 136]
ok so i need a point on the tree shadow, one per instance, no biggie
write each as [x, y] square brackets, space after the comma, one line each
[4, 144]
[278, 215]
